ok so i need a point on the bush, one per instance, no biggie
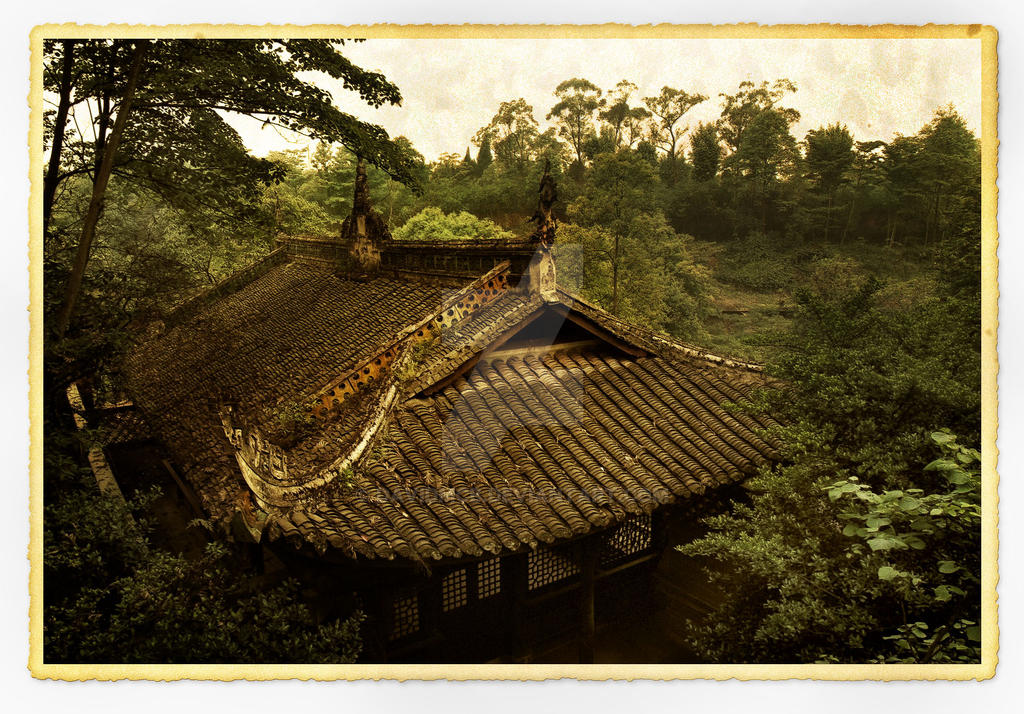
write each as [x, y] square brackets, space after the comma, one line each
[112, 597]
[432, 224]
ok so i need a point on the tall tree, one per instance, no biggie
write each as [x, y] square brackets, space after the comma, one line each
[619, 189]
[705, 151]
[767, 153]
[578, 99]
[741, 109]
[512, 132]
[484, 156]
[110, 146]
[620, 251]
[155, 111]
[618, 112]
[667, 108]
[867, 175]
[950, 164]
[829, 155]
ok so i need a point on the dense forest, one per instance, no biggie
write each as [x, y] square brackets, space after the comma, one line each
[849, 268]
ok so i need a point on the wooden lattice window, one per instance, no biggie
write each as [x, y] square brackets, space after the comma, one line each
[488, 578]
[405, 615]
[546, 566]
[454, 590]
[629, 539]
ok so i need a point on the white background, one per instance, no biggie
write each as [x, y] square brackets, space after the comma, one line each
[23, 693]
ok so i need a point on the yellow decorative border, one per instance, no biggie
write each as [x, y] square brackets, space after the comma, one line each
[985, 34]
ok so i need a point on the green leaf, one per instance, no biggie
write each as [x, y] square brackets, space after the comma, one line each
[947, 566]
[942, 438]
[909, 503]
[882, 543]
[973, 633]
[914, 542]
[887, 572]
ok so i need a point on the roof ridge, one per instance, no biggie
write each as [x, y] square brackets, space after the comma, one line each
[454, 309]
[655, 340]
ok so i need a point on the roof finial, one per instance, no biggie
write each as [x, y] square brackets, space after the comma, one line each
[544, 217]
[364, 228]
[542, 266]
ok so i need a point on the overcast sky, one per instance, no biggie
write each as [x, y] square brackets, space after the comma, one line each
[451, 88]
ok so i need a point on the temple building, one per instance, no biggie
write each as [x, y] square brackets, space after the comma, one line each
[440, 435]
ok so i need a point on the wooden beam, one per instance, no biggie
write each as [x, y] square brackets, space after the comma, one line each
[471, 362]
[605, 335]
[186, 490]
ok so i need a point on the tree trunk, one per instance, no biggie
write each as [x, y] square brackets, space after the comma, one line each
[849, 220]
[99, 188]
[52, 177]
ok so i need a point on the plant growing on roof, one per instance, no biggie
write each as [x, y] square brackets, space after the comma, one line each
[295, 421]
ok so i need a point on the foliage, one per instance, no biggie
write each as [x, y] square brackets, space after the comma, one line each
[511, 132]
[945, 576]
[848, 545]
[668, 107]
[432, 224]
[292, 423]
[111, 596]
[578, 99]
[859, 576]
[706, 152]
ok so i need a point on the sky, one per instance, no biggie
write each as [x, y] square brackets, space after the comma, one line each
[451, 88]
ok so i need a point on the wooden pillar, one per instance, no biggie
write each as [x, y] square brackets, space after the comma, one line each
[588, 570]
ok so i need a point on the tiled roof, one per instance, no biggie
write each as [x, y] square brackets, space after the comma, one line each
[493, 455]
[532, 449]
[292, 328]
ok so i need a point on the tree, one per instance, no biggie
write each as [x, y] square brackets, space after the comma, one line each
[741, 109]
[933, 174]
[484, 157]
[668, 107]
[705, 152]
[867, 175]
[829, 157]
[156, 121]
[619, 188]
[578, 99]
[635, 264]
[859, 546]
[625, 122]
[107, 146]
[951, 170]
[767, 153]
[512, 132]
